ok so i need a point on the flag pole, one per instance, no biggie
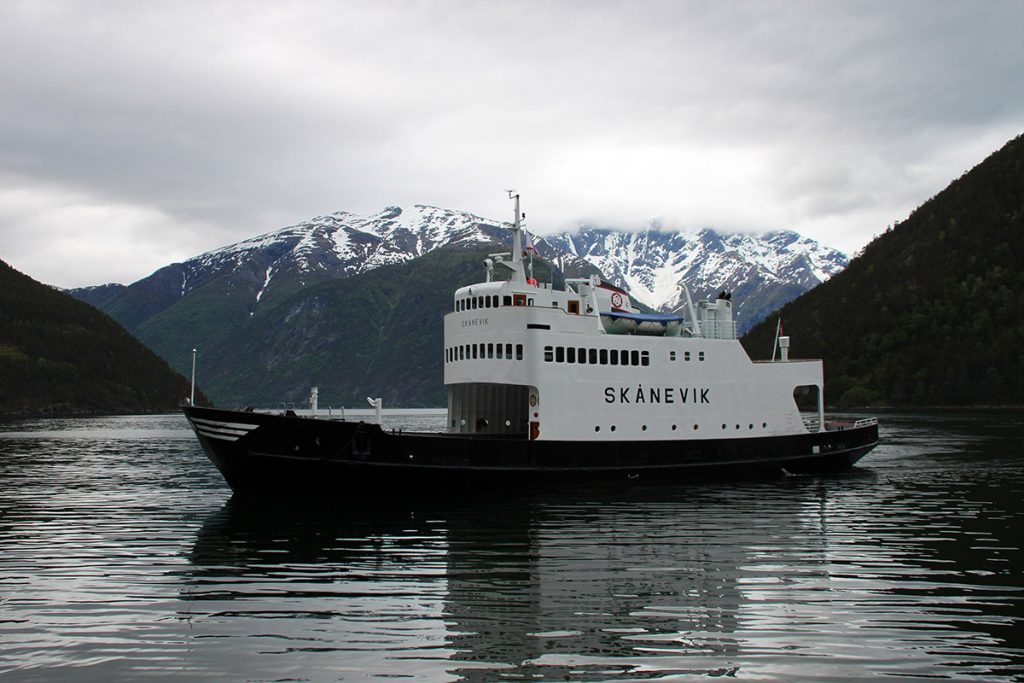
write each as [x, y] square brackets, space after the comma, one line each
[778, 330]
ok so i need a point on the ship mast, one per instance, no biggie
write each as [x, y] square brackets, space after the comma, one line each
[517, 242]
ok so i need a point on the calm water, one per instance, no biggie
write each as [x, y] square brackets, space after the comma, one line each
[124, 556]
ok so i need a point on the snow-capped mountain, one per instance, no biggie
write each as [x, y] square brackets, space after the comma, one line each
[763, 271]
[338, 245]
[308, 302]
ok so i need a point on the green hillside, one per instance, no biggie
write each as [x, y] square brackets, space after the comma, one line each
[375, 334]
[60, 356]
[932, 312]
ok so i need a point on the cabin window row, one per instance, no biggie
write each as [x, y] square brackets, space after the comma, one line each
[686, 355]
[696, 427]
[582, 356]
[480, 351]
[492, 301]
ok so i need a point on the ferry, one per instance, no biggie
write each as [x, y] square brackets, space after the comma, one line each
[554, 386]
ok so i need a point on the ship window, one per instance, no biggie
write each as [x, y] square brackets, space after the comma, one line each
[574, 307]
[506, 300]
[462, 354]
[519, 299]
[700, 355]
[549, 354]
[486, 303]
[593, 356]
[474, 351]
[645, 358]
[480, 302]
[508, 351]
[570, 354]
[529, 302]
[500, 349]
[554, 304]
[581, 356]
[635, 357]
[613, 357]
[494, 301]
[671, 355]
[686, 356]
[604, 356]
[519, 351]
[474, 302]
[559, 354]
[490, 350]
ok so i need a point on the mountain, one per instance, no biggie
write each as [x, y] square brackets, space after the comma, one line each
[762, 271]
[932, 311]
[60, 356]
[224, 299]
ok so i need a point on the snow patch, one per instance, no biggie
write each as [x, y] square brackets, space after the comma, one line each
[266, 281]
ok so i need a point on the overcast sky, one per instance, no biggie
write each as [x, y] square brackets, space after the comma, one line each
[135, 134]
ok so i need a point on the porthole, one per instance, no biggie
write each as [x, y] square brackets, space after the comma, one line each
[597, 428]
[737, 426]
[508, 423]
[643, 428]
[723, 426]
[613, 428]
[695, 427]
[673, 428]
[751, 426]
[764, 425]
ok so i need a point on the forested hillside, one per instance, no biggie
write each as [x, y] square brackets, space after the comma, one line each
[60, 356]
[379, 334]
[932, 312]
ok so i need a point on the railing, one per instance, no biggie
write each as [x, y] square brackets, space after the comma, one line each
[811, 422]
[842, 425]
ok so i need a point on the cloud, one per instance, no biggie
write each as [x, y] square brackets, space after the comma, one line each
[221, 120]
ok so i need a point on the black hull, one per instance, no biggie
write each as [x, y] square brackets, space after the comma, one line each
[258, 451]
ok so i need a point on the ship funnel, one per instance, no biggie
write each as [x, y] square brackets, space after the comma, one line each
[784, 348]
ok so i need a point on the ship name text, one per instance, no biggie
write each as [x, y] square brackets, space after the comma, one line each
[473, 322]
[642, 394]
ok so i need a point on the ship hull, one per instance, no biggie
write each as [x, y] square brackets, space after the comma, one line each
[291, 454]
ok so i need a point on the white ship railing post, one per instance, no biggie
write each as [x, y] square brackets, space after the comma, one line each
[192, 396]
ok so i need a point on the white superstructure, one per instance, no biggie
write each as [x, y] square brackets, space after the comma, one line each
[581, 364]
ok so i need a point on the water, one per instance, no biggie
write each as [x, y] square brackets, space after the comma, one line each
[123, 556]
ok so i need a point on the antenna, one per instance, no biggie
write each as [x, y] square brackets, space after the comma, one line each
[517, 242]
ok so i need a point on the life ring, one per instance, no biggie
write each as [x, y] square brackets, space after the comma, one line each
[616, 300]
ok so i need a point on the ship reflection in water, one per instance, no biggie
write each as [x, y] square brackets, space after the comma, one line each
[770, 581]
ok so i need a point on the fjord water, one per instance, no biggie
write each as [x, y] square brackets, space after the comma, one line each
[124, 556]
